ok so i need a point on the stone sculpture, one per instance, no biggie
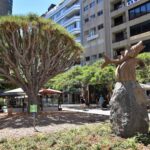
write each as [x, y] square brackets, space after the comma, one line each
[129, 114]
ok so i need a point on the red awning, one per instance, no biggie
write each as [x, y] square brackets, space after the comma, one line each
[49, 91]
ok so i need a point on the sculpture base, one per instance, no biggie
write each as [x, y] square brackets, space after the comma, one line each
[128, 113]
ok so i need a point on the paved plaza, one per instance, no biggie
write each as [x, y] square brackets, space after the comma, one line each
[77, 108]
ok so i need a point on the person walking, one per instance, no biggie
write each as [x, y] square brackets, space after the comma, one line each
[101, 101]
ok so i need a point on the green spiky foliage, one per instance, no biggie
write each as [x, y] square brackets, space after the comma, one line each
[33, 50]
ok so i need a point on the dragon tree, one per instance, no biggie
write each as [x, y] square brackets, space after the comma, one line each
[34, 50]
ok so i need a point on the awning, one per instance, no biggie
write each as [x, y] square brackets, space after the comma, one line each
[49, 91]
[20, 92]
[14, 92]
[145, 86]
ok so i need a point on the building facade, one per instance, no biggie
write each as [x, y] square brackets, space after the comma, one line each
[95, 25]
[6, 7]
[67, 14]
[104, 26]
[130, 23]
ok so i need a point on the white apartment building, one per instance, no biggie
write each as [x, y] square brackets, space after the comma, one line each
[67, 14]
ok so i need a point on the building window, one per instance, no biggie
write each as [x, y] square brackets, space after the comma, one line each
[139, 11]
[86, 20]
[140, 28]
[92, 16]
[86, 8]
[118, 20]
[100, 27]
[119, 36]
[143, 10]
[147, 46]
[100, 55]
[99, 13]
[58, 15]
[92, 32]
[94, 57]
[131, 14]
[118, 5]
[72, 26]
[148, 7]
[87, 58]
[92, 4]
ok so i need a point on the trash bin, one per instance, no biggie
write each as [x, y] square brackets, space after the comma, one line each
[10, 110]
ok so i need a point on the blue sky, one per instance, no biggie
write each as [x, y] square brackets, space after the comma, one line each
[23, 7]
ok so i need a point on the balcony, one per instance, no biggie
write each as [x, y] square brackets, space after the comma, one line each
[118, 7]
[92, 37]
[119, 28]
[122, 43]
[78, 40]
[118, 11]
[119, 39]
[119, 36]
[118, 24]
[58, 8]
[71, 20]
[118, 20]
[75, 30]
[142, 36]
[73, 8]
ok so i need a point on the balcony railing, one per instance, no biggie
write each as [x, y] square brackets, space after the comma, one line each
[72, 8]
[74, 30]
[118, 7]
[118, 23]
[92, 37]
[119, 39]
[71, 20]
[68, 11]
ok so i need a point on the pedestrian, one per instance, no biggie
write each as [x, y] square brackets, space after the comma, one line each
[101, 100]
[82, 101]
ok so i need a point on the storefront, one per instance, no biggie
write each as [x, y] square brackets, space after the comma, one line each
[18, 100]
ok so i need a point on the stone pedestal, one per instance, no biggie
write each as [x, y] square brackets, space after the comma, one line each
[128, 114]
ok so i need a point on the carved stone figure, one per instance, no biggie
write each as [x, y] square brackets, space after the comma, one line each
[128, 103]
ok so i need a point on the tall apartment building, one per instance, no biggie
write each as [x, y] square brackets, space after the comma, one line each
[130, 23]
[95, 25]
[5, 7]
[67, 14]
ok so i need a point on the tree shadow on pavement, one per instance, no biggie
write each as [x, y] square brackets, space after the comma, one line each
[50, 118]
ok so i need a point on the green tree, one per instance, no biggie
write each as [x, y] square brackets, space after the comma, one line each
[83, 76]
[94, 75]
[33, 50]
[143, 73]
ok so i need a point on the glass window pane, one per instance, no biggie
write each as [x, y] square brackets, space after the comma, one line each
[137, 12]
[148, 7]
[143, 9]
[131, 14]
[146, 27]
